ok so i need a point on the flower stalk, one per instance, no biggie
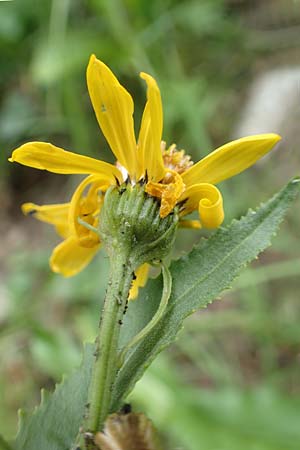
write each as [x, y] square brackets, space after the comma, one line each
[105, 365]
[133, 233]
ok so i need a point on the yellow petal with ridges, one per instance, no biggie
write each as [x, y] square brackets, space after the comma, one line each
[207, 199]
[45, 156]
[113, 107]
[149, 142]
[140, 281]
[68, 258]
[230, 159]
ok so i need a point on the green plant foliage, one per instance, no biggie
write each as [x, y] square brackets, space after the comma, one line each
[198, 278]
[55, 423]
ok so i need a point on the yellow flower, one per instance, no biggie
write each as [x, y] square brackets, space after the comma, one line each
[167, 174]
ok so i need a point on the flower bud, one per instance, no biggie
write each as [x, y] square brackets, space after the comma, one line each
[130, 221]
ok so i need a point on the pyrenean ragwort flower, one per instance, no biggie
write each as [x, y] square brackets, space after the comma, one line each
[166, 173]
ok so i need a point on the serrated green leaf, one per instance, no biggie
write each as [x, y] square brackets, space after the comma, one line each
[198, 279]
[55, 423]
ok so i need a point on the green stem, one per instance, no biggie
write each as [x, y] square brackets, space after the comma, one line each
[105, 365]
[167, 279]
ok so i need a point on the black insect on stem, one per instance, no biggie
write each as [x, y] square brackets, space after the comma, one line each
[126, 307]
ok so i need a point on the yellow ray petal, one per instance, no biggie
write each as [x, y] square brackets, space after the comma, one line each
[68, 258]
[113, 107]
[140, 281]
[230, 159]
[149, 143]
[209, 202]
[56, 215]
[45, 156]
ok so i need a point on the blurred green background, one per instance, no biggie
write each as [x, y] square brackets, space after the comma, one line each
[231, 381]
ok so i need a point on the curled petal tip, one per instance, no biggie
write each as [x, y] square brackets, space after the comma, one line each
[28, 209]
[15, 154]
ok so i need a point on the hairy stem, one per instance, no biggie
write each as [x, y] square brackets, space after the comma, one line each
[105, 365]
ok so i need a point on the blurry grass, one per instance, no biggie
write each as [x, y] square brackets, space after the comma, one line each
[226, 418]
[232, 379]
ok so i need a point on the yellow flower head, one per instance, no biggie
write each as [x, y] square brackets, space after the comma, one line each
[166, 173]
